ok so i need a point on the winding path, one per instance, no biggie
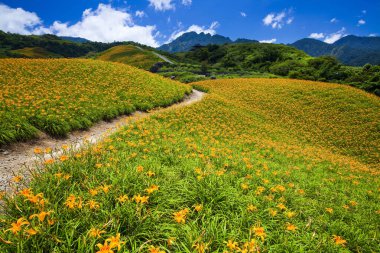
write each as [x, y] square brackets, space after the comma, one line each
[164, 58]
[18, 158]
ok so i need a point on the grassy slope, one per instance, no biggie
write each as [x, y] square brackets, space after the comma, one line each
[36, 52]
[242, 154]
[58, 96]
[130, 55]
[332, 116]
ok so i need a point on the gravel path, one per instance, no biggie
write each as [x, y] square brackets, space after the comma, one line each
[19, 158]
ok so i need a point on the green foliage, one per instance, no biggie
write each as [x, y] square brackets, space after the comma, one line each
[17, 129]
[50, 43]
[280, 60]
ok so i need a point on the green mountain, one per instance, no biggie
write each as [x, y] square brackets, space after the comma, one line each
[187, 40]
[350, 50]
[10, 42]
[255, 59]
[251, 56]
[74, 39]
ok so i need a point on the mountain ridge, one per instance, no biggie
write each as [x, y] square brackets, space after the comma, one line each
[350, 50]
[188, 40]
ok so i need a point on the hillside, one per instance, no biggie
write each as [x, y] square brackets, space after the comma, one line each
[58, 96]
[74, 39]
[48, 42]
[255, 59]
[35, 52]
[286, 109]
[260, 165]
[350, 50]
[187, 41]
[131, 55]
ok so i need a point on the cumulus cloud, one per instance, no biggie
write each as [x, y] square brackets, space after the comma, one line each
[278, 20]
[334, 20]
[331, 38]
[361, 22]
[105, 24]
[268, 41]
[140, 14]
[17, 20]
[187, 2]
[317, 35]
[243, 14]
[373, 35]
[162, 5]
[195, 28]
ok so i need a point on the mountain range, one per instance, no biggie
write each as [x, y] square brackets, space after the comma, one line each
[187, 41]
[350, 50]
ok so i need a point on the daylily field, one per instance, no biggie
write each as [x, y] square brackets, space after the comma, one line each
[259, 165]
[59, 96]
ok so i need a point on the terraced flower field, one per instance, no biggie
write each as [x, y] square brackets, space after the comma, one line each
[248, 169]
[61, 95]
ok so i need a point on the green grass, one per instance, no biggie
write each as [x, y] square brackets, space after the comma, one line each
[225, 154]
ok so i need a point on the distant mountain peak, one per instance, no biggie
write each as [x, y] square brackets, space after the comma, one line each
[186, 41]
[351, 49]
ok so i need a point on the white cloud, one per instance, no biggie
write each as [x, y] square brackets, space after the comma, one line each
[195, 28]
[107, 24]
[18, 20]
[317, 35]
[373, 35]
[331, 38]
[361, 22]
[268, 41]
[290, 20]
[278, 20]
[243, 14]
[364, 11]
[162, 5]
[334, 20]
[140, 14]
[187, 2]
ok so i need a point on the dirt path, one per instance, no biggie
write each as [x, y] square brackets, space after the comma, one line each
[163, 57]
[158, 55]
[19, 158]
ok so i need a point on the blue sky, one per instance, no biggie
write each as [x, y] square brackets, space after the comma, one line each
[155, 22]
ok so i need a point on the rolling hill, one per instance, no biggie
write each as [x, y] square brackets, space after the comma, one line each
[253, 59]
[57, 96]
[50, 43]
[35, 52]
[131, 55]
